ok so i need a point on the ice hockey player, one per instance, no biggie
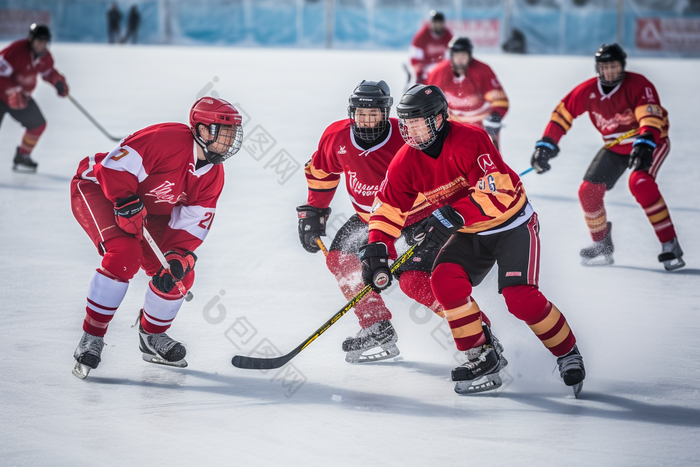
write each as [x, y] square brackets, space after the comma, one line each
[485, 218]
[168, 176]
[473, 92]
[361, 147]
[429, 45]
[20, 63]
[625, 108]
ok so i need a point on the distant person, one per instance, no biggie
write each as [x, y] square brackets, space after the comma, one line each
[114, 21]
[474, 94]
[20, 63]
[134, 21]
[168, 176]
[429, 46]
[625, 108]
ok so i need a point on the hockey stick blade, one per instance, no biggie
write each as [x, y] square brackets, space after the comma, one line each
[262, 363]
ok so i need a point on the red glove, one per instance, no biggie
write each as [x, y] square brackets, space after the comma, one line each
[131, 215]
[179, 266]
[16, 99]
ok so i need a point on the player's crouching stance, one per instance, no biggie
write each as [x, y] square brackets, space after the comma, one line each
[485, 217]
[361, 147]
[168, 178]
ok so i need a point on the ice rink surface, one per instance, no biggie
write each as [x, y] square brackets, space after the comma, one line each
[637, 325]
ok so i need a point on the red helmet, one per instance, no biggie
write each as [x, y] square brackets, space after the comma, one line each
[215, 113]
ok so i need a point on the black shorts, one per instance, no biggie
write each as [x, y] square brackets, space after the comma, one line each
[354, 234]
[607, 167]
[517, 252]
[30, 117]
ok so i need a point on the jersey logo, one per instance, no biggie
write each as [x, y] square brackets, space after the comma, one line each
[362, 189]
[649, 94]
[342, 150]
[163, 194]
[592, 96]
[486, 163]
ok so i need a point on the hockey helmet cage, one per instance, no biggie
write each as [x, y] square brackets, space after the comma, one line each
[370, 95]
[610, 53]
[422, 101]
[224, 124]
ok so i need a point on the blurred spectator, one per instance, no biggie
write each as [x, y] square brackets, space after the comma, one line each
[134, 22]
[114, 20]
[429, 46]
[515, 43]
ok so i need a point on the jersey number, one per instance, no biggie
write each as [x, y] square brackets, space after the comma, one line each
[206, 222]
[122, 153]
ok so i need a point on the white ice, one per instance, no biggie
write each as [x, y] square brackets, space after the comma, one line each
[637, 325]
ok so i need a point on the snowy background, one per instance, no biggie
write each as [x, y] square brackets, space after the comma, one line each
[637, 325]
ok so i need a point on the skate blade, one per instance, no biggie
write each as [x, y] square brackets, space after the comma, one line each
[356, 356]
[23, 169]
[597, 261]
[577, 389]
[160, 361]
[80, 370]
[673, 264]
[483, 384]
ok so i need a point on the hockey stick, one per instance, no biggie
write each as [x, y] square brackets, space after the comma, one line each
[180, 287]
[254, 363]
[621, 137]
[525, 172]
[99, 127]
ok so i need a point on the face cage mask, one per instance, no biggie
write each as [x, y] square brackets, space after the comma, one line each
[430, 122]
[233, 141]
[612, 83]
[368, 134]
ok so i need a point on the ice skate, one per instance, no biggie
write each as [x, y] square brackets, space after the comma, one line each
[161, 349]
[489, 381]
[87, 355]
[600, 253]
[671, 255]
[372, 344]
[571, 370]
[23, 163]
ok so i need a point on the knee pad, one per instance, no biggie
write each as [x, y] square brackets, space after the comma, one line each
[123, 257]
[591, 196]
[450, 284]
[644, 188]
[526, 303]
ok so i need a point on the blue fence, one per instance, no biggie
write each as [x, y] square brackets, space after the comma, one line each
[644, 27]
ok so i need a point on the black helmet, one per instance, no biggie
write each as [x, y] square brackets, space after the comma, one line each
[421, 101]
[370, 95]
[436, 16]
[461, 44]
[39, 31]
[610, 53]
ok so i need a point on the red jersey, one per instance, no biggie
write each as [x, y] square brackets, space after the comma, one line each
[159, 164]
[632, 104]
[427, 49]
[19, 68]
[338, 153]
[471, 97]
[469, 175]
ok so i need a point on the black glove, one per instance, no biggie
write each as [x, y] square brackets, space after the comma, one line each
[61, 88]
[375, 266]
[439, 226]
[180, 265]
[492, 125]
[642, 154]
[545, 149]
[312, 225]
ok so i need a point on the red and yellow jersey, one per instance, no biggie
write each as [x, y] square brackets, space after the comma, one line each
[19, 68]
[427, 49]
[159, 163]
[338, 153]
[632, 105]
[471, 97]
[469, 175]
